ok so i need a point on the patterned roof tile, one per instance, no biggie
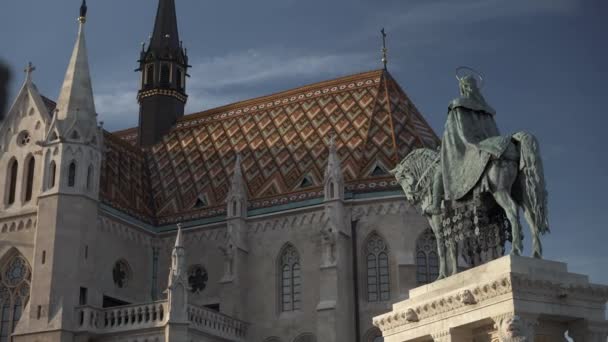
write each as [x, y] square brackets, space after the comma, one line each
[282, 139]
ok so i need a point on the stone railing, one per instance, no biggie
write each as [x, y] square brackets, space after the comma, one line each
[122, 318]
[216, 324]
[156, 315]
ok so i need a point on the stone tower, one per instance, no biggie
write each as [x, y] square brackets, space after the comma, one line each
[163, 66]
[71, 150]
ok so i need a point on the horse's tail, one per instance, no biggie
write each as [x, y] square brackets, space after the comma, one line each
[532, 180]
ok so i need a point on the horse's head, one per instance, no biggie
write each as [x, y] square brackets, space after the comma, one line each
[415, 174]
[406, 179]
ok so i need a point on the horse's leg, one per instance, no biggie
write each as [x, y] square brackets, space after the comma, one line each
[537, 247]
[453, 258]
[436, 226]
[503, 198]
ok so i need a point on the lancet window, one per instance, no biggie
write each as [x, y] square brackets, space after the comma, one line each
[378, 279]
[72, 174]
[90, 177]
[427, 261]
[290, 279]
[13, 167]
[52, 171]
[29, 179]
[15, 278]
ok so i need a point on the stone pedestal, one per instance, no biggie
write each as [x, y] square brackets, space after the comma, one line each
[508, 299]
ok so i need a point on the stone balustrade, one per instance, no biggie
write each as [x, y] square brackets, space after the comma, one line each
[217, 324]
[155, 315]
[122, 318]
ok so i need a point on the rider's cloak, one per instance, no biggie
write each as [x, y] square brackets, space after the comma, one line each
[470, 139]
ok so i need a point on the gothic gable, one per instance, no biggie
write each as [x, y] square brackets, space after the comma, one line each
[26, 121]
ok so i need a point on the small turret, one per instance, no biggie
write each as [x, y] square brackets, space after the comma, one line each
[177, 289]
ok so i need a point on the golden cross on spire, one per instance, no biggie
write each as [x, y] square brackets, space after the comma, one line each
[29, 69]
[384, 49]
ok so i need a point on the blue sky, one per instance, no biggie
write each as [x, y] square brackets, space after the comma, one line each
[545, 64]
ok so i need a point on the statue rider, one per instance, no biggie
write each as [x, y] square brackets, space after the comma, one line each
[470, 140]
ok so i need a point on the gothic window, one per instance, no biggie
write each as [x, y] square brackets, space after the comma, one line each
[179, 79]
[72, 174]
[197, 278]
[290, 279]
[149, 75]
[90, 177]
[12, 180]
[121, 273]
[13, 167]
[15, 278]
[52, 169]
[29, 179]
[378, 281]
[427, 262]
[165, 74]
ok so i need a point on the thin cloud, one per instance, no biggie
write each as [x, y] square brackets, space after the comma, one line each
[226, 79]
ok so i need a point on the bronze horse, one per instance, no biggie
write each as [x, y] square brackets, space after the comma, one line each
[513, 184]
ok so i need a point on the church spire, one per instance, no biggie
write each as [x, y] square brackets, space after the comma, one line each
[164, 67]
[165, 33]
[75, 106]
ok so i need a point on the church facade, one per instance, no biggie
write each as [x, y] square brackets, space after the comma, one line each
[272, 219]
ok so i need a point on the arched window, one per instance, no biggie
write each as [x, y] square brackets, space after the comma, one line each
[52, 171]
[90, 177]
[13, 167]
[14, 294]
[427, 261]
[378, 280]
[179, 79]
[29, 179]
[290, 279]
[165, 74]
[72, 174]
[149, 80]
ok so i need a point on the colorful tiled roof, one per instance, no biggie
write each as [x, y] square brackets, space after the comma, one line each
[282, 139]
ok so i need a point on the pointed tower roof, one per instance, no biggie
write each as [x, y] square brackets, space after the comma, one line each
[165, 33]
[179, 242]
[75, 101]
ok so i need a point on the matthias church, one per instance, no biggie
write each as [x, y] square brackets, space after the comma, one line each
[273, 219]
